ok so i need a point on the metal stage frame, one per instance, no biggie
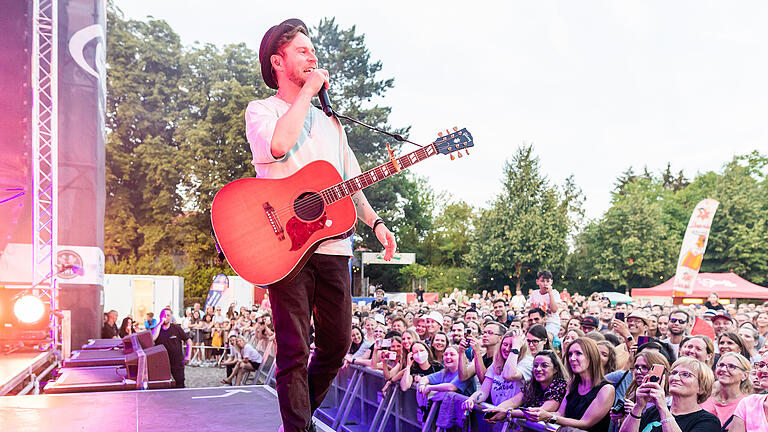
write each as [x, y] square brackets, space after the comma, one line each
[21, 371]
[45, 77]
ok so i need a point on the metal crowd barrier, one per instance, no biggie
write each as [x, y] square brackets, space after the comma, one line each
[354, 403]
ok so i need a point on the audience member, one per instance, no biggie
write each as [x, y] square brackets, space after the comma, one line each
[731, 385]
[589, 397]
[690, 384]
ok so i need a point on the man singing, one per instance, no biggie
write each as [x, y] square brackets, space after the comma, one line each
[286, 133]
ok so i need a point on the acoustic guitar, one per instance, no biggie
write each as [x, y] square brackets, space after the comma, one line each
[268, 228]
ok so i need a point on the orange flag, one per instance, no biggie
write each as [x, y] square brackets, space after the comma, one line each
[702, 327]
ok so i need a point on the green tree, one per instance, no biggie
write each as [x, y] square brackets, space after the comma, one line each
[526, 227]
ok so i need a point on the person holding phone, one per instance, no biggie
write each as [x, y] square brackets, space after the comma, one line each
[690, 383]
[627, 382]
[419, 363]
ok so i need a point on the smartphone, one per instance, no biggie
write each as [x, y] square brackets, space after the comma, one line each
[655, 374]
[386, 343]
[620, 316]
[467, 332]
[642, 340]
[489, 415]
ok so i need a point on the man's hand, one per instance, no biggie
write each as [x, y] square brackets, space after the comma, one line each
[316, 80]
[387, 239]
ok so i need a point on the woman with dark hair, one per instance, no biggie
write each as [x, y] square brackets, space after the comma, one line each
[589, 397]
[126, 327]
[644, 362]
[653, 326]
[544, 392]
[537, 339]
[419, 363]
[439, 345]
[357, 340]
[731, 342]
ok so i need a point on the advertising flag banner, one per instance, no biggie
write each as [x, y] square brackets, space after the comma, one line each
[218, 286]
[694, 245]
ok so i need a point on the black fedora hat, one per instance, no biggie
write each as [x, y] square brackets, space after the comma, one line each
[269, 46]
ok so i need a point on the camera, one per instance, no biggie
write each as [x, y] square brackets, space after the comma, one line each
[618, 407]
[390, 355]
[386, 343]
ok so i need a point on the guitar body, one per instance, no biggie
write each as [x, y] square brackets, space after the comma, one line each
[268, 228]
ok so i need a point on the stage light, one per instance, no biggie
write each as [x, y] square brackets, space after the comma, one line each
[29, 309]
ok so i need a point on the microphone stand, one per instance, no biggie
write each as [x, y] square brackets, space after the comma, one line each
[397, 137]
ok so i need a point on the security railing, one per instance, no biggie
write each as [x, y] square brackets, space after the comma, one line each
[355, 403]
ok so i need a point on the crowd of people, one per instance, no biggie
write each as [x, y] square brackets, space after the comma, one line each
[574, 361]
[549, 356]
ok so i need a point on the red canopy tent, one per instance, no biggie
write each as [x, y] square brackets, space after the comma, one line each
[726, 285]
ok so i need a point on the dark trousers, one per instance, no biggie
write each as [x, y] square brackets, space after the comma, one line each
[178, 375]
[321, 289]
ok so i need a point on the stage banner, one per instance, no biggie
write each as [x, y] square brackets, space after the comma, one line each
[694, 245]
[82, 89]
[218, 286]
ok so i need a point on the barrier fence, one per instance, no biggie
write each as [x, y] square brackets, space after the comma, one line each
[355, 404]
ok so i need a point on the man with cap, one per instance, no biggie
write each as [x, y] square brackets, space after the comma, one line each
[434, 322]
[285, 133]
[589, 324]
[721, 323]
[636, 325]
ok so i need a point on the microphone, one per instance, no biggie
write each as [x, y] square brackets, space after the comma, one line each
[324, 101]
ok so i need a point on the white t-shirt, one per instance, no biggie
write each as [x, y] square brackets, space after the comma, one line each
[321, 138]
[252, 354]
[537, 299]
[502, 389]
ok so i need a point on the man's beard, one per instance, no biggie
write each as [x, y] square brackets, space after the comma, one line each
[676, 332]
[298, 80]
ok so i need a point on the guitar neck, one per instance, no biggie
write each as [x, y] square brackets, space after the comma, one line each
[349, 187]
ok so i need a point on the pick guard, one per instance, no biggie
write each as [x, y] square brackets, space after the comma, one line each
[299, 232]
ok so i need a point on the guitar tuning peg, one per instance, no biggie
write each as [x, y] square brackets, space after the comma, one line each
[459, 155]
[455, 129]
[447, 132]
[440, 134]
[452, 157]
[467, 151]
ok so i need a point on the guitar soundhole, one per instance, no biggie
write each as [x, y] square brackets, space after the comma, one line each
[308, 206]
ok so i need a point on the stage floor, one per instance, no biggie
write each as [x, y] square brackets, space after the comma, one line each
[221, 409]
[15, 367]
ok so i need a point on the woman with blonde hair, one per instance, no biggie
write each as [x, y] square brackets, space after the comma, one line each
[699, 347]
[751, 414]
[690, 383]
[732, 384]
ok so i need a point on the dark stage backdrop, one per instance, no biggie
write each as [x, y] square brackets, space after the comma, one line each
[81, 138]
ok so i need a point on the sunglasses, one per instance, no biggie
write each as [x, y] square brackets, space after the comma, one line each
[678, 320]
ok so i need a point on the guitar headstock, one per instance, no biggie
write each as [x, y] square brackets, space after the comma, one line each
[452, 141]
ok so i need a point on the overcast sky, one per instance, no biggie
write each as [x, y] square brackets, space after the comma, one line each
[595, 86]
